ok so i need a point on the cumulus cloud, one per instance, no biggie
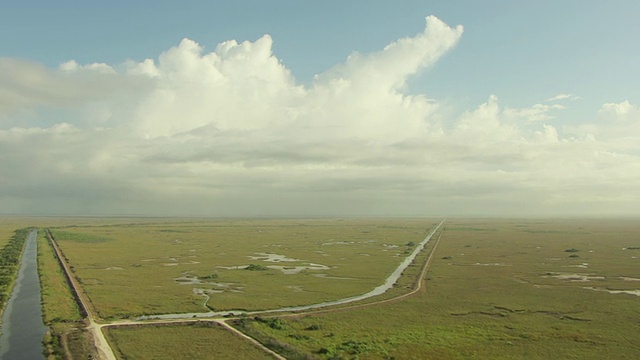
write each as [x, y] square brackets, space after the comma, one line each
[73, 66]
[623, 110]
[231, 132]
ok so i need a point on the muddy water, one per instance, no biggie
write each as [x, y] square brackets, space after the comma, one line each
[377, 291]
[22, 327]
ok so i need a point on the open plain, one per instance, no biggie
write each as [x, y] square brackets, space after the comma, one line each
[199, 266]
[483, 288]
[513, 289]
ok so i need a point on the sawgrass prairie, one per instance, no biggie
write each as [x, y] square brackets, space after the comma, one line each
[513, 289]
[496, 288]
[136, 269]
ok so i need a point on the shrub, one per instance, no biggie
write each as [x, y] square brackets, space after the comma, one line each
[256, 267]
[208, 277]
[276, 324]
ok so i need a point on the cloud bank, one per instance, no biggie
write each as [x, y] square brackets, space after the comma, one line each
[230, 132]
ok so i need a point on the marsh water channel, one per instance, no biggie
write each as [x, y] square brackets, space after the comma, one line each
[388, 284]
[22, 326]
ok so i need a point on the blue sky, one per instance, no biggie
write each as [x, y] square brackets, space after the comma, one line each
[551, 46]
[566, 69]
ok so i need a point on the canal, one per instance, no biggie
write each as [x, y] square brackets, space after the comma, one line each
[22, 326]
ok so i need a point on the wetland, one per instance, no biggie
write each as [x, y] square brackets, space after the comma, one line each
[489, 288]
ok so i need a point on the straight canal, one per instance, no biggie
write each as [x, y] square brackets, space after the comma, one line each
[22, 326]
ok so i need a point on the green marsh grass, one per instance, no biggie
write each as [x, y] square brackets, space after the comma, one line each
[144, 259]
[9, 225]
[58, 303]
[488, 296]
[60, 311]
[495, 289]
[202, 340]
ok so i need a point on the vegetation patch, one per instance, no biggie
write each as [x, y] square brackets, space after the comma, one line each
[9, 264]
[196, 340]
[58, 302]
[483, 312]
[61, 235]
[492, 312]
[256, 267]
[152, 259]
[60, 310]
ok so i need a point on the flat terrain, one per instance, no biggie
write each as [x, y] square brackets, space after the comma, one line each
[195, 266]
[496, 288]
[191, 341]
[8, 226]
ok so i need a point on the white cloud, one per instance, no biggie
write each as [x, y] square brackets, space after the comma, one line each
[73, 66]
[618, 124]
[560, 97]
[535, 113]
[238, 86]
[620, 110]
[231, 132]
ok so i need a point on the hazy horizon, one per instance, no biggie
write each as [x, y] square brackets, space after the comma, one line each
[320, 110]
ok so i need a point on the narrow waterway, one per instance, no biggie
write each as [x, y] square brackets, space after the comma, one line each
[22, 326]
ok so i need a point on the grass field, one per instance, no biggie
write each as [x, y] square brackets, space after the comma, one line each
[201, 340]
[59, 309]
[8, 226]
[498, 289]
[58, 304]
[169, 267]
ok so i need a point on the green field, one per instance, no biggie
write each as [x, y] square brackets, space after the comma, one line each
[201, 340]
[8, 226]
[497, 289]
[58, 304]
[169, 267]
[59, 309]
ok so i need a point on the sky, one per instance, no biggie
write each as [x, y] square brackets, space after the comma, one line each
[325, 108]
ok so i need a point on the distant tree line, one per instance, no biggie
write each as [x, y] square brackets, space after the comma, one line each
[9, 264]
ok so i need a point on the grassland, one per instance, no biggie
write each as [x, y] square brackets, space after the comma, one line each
[201, 340]
[513, 289]
[58, 303]
[167, 267]
[497, 289]
[59, 310]
[9, 225]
